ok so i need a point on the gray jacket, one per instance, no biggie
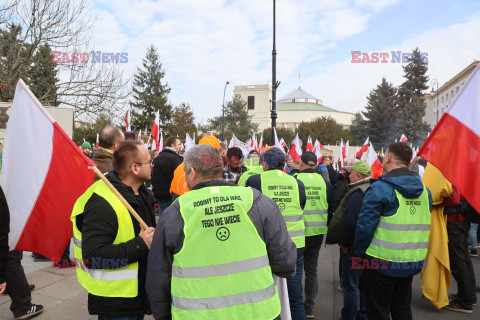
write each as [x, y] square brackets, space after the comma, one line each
[169, 237]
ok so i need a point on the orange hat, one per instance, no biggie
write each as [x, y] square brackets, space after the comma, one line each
[210, 140]
[267, 148]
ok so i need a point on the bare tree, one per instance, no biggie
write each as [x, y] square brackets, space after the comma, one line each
[90, 88]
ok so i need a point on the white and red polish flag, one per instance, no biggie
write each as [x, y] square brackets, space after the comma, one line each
[363, 149]
[42, 177]
[277, 143]
[128, 124]
[453, 146]
[342, 147]
[253, 143]
[283, 144]
[96, 143]
[317, 149]
[260, 145]
[155, 131]
[344, 151]
[309, 146]
[403, 138]
[374, 162]
[295, 150]
[160, 143]
[139, 138]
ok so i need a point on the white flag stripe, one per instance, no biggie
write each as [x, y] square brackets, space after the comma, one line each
[469, 95]
[17, 177]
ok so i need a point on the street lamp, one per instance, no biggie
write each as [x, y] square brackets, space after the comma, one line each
[223, 110]
[275, 83]
[435, 82]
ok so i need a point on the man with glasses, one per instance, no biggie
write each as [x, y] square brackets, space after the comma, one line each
[111, 248]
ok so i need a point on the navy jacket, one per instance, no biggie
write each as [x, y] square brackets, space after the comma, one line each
[350, 218]
[380, 200]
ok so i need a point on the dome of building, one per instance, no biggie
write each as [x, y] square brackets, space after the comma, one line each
[299, 96]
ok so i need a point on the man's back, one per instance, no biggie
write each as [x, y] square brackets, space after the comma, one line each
[103, 158]
[162, 173]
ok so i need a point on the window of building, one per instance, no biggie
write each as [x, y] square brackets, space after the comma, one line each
[446, 97]
[251, 102]
[451, 94]
[457, 89]
[442, 99]
[434, 104]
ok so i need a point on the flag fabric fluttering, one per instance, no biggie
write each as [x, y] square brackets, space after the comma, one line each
[128, 124]
[253, 143]
[139, 138]
[260, 145]
[160, 144]
[283, 144]
[277, 142]
[188, 142]
[295, 150]
[403, 138]
[374, 162]
[231, 144]
[41, 189]
[317, 149]
[363, 149]
[96, 143]
[458, 133]
[342, 152]
[155, 132]
[309, 146]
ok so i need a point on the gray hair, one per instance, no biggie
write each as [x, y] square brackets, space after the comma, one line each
[206, 160]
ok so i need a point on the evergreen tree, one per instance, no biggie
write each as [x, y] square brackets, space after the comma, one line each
[380, 114]
[358, 128]
[149, 93]
[42, 76]
[237, 120]
[325, 129]
[182, 122]
[411, 104]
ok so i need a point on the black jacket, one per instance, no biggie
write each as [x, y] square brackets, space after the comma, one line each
[169, 237]
[162, 173]
[4, 229]
[99, 226]
[339, 189]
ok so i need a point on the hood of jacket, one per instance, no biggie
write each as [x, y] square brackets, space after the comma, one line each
[404, 181]
[101, 153]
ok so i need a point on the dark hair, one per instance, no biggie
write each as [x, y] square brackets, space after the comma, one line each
[422, 162]
[109, 136]
[325, 158]
[130, 136]
[235, 152]
[126, 153]
[253, 151]
[171, 141]
[401, 151]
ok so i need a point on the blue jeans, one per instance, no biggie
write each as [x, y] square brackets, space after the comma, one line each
[295, 290]
[162, 205]
[124, 317]
[472, 234]
[354, 306]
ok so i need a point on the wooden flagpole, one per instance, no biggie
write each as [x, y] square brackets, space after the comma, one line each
[412, 163]
[122, 199]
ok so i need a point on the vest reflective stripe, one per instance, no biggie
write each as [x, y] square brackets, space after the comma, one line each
[292, 218]
[100, 274]
[400, 246]
[118, 282]
[251, 171]
[404, 227]
[283, 189]
[298, 233]
[404, 235]
[308, 212]
[221, 269]
[225, 301]
[315, 211]
[315, 224]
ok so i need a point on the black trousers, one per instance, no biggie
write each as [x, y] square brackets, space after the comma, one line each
[17, 284]
[461, 263]
[387, 295]
[310, 258]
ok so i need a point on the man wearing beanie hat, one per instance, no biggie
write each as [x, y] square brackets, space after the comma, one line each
[179, 184]
[87, 149]
[315, 217]
[289, 194]
[349, 208]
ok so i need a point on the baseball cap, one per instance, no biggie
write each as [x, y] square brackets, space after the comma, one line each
[273, 157]
[362, 167]
[309, 158]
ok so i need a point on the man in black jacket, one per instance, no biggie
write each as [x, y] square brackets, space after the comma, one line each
[162, 173]
[170, 238]
[4, 229]
[99, 225]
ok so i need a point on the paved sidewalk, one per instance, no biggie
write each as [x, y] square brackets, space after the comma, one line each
[63, 298]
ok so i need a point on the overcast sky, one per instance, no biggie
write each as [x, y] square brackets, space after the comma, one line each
[203, 43]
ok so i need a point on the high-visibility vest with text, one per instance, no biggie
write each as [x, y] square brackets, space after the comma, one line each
[315, 212]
